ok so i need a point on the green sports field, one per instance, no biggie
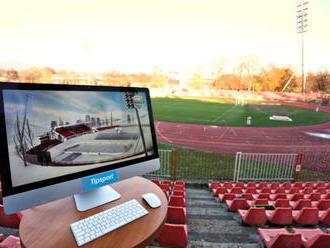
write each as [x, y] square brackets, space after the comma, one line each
[225, 113]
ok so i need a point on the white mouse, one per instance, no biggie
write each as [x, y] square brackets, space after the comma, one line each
[152, 200]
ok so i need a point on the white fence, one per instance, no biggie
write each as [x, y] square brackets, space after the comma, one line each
[265, 166]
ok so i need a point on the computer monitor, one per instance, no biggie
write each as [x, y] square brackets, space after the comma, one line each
[62, 140]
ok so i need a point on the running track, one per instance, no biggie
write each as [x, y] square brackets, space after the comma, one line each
[229, 140]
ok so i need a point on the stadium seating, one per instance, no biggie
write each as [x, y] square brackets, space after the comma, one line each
[313, 237]
[264, 190]
[324, 216]
[322, 204]
[251, 190]
[155, 181]
[214, 185]
[247, 196]
[325, 196]
[253, 216]
[258, 202]
[239, 184]
[177, 201]
[299, 185]
[166, 187]
[226, 196]
[174, 235]
[176, 215]
[279, 191]
[286, 185]
[236, 190]
[274, 197]
[228, 185]
[320, 185]
[308, 190]
[235, 204]
[251, 185]
[274, 186]
[293, 191]
[262, 185]
[261, 196]
[280, 216]
[180, 183]
[280, 203]
[306, 216]
[302, 203]
[295, 197]
[11, 220]
[278, 238]
[321, 190]
[313, 196]
[309, 185]
[9, 242]
[219, 190]
[178, 193]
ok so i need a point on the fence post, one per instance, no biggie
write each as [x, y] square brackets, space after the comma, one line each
[298, 163]
[173, 164]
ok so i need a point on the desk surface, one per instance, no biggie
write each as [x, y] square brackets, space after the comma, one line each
[49, 225]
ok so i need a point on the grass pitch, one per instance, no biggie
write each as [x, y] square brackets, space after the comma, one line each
[225, 113]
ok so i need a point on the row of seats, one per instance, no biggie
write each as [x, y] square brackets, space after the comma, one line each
[271, 185]
[284, 216]
[175, 231]
[296, 239]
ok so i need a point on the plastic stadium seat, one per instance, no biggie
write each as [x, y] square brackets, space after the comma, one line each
[274, 185]
[320, 185]
[303, 203]
[247, 196]
[235, 204]
[219, 190]
[324, 216]
[180, 183]
[309, 185]
[228, 185]
[286, 185]
[179, 187]
[328, 185]
[295, 197]
[176, 215]
[11, 220]
[169, 182]
[258, 202]
[313, 237]
[156, 181]
[177, 201]
[262, 185]
[326, 196]
[306, 216]
[261, 196]
[251, 185]
[313, 196]
[321, 190]
[173, 235]
[322, 204]
[236, 190]
[280, 216]
[293, 191]
[214, 185]
[284, 203]
[239, 184]
[253, 216]
[265, 190]
[274, 197]
[179, 193]
[9, 242]
[299, 185]
[280, 238]
[166, 187]
[226, 196]
[308, 190]
[279, 191]
[251, 190]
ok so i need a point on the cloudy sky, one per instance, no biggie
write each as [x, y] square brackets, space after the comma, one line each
[176, 35]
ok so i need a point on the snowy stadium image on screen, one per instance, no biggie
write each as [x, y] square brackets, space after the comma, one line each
[55, 133]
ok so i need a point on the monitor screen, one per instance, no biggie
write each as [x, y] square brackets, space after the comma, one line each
[54, 133]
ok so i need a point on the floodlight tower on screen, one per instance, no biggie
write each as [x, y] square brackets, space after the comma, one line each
[60, 140]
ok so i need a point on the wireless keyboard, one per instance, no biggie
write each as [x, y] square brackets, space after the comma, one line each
[90, 228]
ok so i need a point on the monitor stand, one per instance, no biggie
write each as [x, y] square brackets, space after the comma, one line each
[95, 197]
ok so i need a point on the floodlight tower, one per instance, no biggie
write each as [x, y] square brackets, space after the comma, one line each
[302, 8]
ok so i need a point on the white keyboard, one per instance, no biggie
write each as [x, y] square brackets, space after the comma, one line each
[90, 228]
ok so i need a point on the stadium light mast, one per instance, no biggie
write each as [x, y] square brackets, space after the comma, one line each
[302, 8]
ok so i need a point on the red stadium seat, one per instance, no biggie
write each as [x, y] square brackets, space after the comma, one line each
[251, 185]
[286, 185]
[179, 193]
[320, 185]
[11, 220]
[167, 182]
[179, 187]
[228, 185]
[180, 183]
[324, 216]
[239, 184]
[299, 185]
[279, 191]
[265, 190]
[236, 190]
[321, 190]
[261, 196]
[262, 185]
[280, 216]
[253, 216]
[247, 196]
[300, 204]
[251, 190]
[165, 187]
[326, 196]
[235, 204]
[176, 215]
[293, 191]
[214, 185]
[274, 197]
[219, 190]
[306, 216]
[173, 235]
[9, 242]
[258, 202]
[177, 201]
[322, 204]
[313, 196]
[309, 185]
[280, 238]
[313, 238]
[284, 203]
[274, 185]
[295, 197]
[226, 196]
[308, 190]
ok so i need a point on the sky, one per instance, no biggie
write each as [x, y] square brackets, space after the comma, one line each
[178, 36]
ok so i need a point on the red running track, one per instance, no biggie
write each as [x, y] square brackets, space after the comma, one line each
[229, 140]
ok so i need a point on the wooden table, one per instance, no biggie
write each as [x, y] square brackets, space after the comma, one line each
[49, 225]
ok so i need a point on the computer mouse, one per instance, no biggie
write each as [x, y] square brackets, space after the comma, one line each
[152, 200]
